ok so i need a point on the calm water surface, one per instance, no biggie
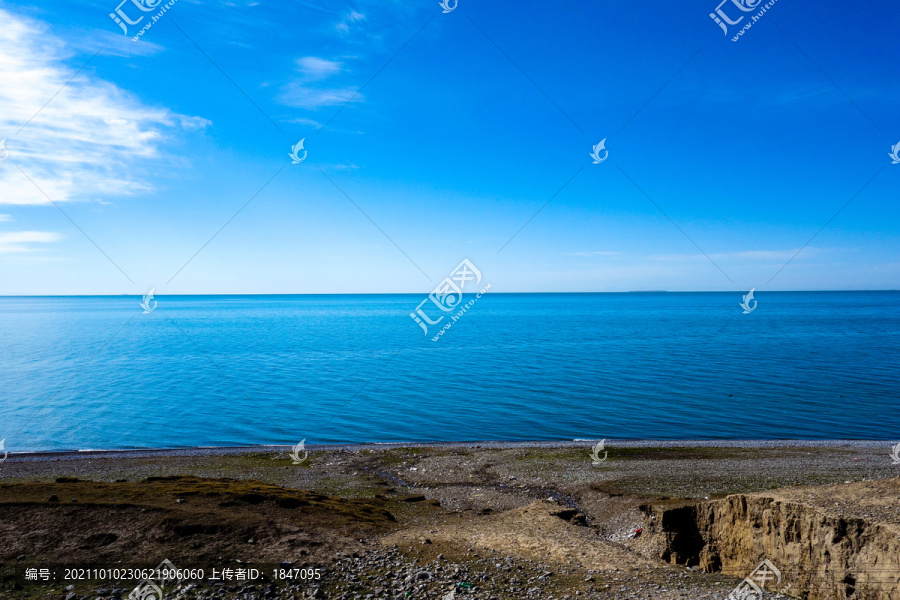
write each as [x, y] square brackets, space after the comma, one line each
[94, 372]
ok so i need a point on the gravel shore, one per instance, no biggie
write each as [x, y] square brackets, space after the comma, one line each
[480, 520]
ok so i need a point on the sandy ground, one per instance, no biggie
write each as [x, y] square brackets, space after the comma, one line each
[475, 520]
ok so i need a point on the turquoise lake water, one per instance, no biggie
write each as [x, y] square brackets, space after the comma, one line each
[96, 372]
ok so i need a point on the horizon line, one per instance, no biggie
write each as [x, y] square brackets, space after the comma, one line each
[137, 294]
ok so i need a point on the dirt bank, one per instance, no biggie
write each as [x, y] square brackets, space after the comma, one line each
[423, 522]
[837, 542]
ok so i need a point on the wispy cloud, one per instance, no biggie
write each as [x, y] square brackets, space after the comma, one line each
[17, 242]
[110, 43]
[306, 122]
[349, 20]
[93, 139]
[339, 167]
[301, 96]
[303, 93]
[771, 254]
[6, 218]
[594, 253]
[779, 255]
[313, 67]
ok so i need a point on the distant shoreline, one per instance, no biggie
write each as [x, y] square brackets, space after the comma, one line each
[293, 294]
[356, 447]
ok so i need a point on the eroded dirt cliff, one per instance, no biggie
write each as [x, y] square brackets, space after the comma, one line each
[829, 542]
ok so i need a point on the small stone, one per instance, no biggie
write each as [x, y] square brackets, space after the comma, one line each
[53, 498]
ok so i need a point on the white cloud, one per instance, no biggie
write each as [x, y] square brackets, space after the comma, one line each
[299, 95]
[307, 122]
[352, 17]
[92, 139]
[773, 254]
[19, 241]
[339, 167]
[110, 43]
[187, 122]
[6, 218]
[313, 67]
[778, 255]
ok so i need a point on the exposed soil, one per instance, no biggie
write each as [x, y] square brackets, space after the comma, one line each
[416, 522]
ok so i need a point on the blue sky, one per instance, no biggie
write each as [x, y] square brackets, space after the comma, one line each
[725, 158]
